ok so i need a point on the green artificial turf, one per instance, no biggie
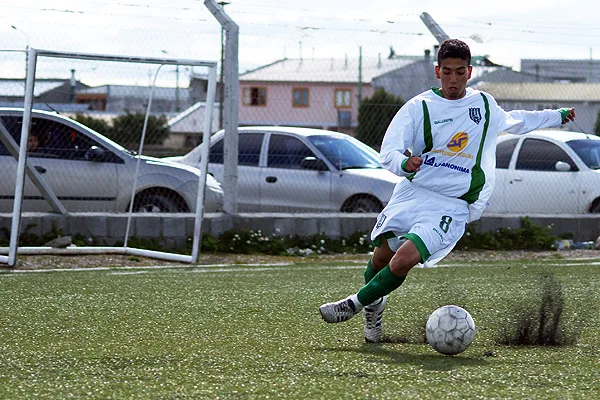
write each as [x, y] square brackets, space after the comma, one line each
[254, 332]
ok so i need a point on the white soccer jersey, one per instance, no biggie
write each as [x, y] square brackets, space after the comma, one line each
[457, 141]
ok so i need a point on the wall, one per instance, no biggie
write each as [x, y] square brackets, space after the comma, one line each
[176, 228]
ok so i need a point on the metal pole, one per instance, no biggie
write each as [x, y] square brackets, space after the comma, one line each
[20, 183]
[221, 87]
[208, 114]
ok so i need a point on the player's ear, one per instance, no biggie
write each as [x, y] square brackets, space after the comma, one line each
[437, 72]
[470, 70]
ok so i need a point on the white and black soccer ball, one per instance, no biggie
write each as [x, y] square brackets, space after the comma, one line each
[450, 330]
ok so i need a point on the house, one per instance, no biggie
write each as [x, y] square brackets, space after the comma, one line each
[318, 93]
[585, 97]
[416, 77]
[187, 127]
[563, 70]
[48, 94]
[116, 99]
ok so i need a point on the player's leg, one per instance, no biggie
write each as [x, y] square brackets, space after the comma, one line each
[373, 327]
[384, 282]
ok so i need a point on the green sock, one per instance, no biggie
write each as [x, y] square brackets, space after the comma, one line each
[382, 284]
[369, 272]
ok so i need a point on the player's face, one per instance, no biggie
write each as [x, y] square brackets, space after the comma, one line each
[454, 73]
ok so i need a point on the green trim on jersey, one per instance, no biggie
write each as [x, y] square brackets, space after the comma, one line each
[477, 174]
[564, 112]
[420, 245]
[427, 129]
[403, 165]
[437, 91]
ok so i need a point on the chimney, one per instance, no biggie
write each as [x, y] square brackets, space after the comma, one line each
[73, 86]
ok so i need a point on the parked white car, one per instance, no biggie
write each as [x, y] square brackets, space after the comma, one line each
[89, 172]
[287, 169]
[547, 172]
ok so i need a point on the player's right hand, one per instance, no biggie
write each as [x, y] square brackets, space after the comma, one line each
[413, 164]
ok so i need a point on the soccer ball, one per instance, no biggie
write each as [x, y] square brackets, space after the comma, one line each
[450, 330]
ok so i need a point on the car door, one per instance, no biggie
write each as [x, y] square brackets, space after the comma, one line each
[504, 154]
[285, 185]
[250, 145]
[63, 161]
[536, 186]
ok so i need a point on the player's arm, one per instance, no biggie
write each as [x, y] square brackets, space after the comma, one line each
[519, 122]
[396, 142]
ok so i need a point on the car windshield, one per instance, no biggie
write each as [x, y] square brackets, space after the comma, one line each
[588, 150]
[346, 153]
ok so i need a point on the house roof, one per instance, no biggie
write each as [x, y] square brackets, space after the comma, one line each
[542, 91]
[191, 120]
[326, 70]
[578, 70]
[16, 87]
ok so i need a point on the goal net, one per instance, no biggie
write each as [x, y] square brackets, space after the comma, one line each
[84, 154]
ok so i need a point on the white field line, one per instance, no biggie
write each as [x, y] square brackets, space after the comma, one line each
[221, 268]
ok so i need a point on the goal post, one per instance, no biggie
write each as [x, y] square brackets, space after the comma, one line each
[197, 204]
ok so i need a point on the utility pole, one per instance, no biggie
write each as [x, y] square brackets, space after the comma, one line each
[434, 28]
[221, 86]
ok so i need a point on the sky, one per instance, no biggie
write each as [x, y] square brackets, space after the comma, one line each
[506, 31]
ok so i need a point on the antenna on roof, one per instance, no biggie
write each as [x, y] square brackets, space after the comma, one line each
[300, 48]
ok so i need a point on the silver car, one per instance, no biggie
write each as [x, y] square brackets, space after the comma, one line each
[287, 169]
[547, 172]
[88, 172]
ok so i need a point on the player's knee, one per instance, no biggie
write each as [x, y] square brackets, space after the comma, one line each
[401, 267]
[381, 258]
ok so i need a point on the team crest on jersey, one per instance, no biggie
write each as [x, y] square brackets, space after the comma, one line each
[475, 115]
[458, 142]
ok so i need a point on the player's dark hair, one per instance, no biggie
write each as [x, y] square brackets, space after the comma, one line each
[454, 48]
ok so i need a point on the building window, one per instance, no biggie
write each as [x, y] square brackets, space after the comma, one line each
[343, 98]
[255, 96]
[300, 97]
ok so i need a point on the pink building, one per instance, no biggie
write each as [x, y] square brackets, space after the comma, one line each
[317, 93]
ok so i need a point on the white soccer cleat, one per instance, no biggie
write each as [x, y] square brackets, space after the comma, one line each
[339, 311]
[373, 316]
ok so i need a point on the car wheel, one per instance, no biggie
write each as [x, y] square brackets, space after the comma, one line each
[362, 205]
[154, 203]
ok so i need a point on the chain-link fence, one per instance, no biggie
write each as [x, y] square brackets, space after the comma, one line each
[349, 92]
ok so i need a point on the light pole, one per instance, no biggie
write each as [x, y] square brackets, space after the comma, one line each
[26, 46]
[221, 86]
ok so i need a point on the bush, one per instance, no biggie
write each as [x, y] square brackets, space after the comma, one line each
[529, 237]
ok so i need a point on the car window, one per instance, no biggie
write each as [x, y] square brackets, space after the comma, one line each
[287, 152]
[52, 139]
[504, 152]
[542, 155]
[588, 150]
[249, 145]
[346, 153]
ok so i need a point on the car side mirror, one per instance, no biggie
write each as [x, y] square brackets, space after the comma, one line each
[95, 153]
[562, 166]
[313, 163]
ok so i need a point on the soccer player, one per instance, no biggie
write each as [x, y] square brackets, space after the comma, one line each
[443, 141]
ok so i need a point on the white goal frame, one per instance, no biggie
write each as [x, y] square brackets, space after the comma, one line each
[33, 55]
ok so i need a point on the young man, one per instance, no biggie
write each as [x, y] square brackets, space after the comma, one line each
[450, 133]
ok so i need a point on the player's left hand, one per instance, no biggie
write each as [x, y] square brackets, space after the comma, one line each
[570, 116]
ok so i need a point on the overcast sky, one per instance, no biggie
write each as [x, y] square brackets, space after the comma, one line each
[506, 30]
